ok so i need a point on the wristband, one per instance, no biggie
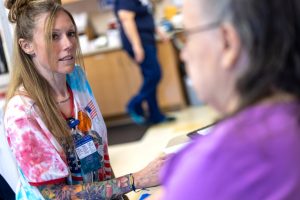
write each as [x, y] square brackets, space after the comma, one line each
[131, 180]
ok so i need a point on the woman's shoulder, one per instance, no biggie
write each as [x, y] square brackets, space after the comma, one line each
[261, 115]
[18, 106]
[19, 102]
[251, 127]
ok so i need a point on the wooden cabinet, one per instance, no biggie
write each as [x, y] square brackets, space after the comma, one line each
[115, 78]
[170, 90]
[68, 1]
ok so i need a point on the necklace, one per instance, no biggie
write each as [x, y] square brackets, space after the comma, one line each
[63, 101]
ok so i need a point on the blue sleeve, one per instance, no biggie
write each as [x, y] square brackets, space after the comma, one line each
[129, 5]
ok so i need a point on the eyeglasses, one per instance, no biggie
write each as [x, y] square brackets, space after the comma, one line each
[182, 35]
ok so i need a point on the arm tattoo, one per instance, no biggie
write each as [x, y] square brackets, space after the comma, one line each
[109, 189]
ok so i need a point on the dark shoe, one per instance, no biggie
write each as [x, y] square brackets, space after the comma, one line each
[166, 119]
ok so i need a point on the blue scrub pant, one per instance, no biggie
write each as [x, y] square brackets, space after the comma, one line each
[151, 71]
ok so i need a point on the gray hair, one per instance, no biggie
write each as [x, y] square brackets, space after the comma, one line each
[216, 10]
[269, 31]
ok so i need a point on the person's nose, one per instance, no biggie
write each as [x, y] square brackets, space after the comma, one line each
[67, 43]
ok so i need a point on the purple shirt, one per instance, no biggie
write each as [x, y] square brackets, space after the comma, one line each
[254, 154]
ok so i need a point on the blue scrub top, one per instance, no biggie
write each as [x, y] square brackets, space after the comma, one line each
[144, 21]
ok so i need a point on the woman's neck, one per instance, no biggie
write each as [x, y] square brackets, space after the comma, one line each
[59, 88]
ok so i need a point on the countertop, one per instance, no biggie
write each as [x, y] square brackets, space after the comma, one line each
[97, 50]
[92, 47]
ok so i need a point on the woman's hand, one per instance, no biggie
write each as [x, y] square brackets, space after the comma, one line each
[149, 176]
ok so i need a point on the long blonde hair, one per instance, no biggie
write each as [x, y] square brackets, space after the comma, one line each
[24, 13]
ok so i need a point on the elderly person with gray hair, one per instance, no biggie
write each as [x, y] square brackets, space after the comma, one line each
[243, 57]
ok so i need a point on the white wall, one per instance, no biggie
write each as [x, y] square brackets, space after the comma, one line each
[7, 39]
[100, 17]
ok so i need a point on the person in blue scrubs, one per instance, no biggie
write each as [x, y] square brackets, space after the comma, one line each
[138, 39]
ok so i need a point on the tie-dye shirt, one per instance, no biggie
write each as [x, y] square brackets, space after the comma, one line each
[40, 158]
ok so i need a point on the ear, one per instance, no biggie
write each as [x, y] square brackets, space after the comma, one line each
[231, 46]
[26, 46]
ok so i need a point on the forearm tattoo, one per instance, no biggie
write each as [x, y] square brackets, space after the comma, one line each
[109, 189]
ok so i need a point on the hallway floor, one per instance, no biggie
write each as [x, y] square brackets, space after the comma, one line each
[131, 157]
[125, 133]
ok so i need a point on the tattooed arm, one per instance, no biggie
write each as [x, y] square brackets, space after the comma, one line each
[110, 189]
[98, 190]
[113, 176]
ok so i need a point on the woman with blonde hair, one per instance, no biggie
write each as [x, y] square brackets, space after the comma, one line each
[53, 124]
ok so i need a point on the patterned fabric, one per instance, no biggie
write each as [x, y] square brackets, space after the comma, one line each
[26, 191]
[39, 156]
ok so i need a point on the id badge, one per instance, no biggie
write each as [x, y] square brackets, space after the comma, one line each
[88, 155]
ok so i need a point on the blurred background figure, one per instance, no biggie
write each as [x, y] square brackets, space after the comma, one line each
[138, 39]
[243, 57]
